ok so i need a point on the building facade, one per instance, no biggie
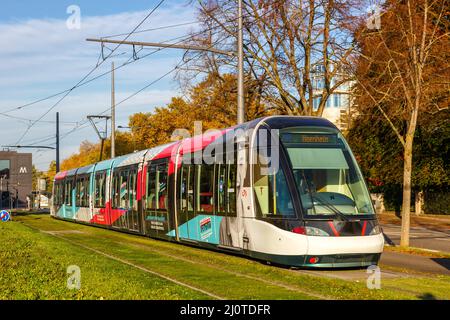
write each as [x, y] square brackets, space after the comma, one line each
[15, 179]
[339, 104]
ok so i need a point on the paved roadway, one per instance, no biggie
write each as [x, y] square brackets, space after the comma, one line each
[415, 263]
[419, 237]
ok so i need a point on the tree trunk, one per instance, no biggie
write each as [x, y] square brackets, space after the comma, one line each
[406, 204]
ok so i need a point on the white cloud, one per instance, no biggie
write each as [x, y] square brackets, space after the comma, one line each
[75, 109]
[42, 57]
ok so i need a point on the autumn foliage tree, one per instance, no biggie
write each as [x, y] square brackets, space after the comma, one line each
[89, 152]
[285, 44]
[212, 101]
[380, 156]
[404, 71]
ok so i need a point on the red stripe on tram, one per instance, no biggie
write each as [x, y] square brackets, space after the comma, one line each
[333, 228]
[363, 232]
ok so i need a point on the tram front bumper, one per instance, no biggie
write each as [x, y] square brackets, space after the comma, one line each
[331, 252]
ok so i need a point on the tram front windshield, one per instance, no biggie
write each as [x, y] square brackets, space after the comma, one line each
[326, 174]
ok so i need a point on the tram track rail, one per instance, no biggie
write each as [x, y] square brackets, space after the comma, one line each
[60, 235]
[183, 264]
[124, 261]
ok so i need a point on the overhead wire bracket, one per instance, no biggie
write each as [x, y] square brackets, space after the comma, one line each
[101, 134]
[135, 57]
[103, 54]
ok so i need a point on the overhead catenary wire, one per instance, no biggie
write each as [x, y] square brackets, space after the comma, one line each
[129, 61]
[86, 125]
[105, 37]
[82, 125]
[166, 74]
[124, 64]
[90, 72]
[30, 120]
[182, 38]
[153, 29]
[105, 73]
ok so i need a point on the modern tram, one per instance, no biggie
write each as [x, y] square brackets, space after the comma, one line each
[283, 189]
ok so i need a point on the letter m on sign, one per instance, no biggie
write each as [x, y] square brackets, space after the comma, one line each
[23, 170]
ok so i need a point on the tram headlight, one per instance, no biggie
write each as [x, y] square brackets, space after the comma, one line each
[311, 231]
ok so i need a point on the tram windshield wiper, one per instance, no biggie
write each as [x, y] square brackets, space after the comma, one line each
[330, 206]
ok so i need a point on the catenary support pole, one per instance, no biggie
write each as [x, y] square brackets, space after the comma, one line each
[113, 114]
[240, 54]
[57, 142]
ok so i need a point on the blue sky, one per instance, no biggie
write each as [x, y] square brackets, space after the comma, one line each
[40, 56]
[56, 9]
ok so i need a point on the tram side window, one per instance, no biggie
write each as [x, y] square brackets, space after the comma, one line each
[272, 193]
[82, 191]
[100, 189]
[157, 186]
[221, 194]
[231, 189]
[151, 189]
[115, 190]
[68, 192]
[55, 194]
[58, 194]
[123, 191]
[77, 192]
[132, 179]
[209, 188]
[85, 200]
[205, 188]
[225, 179]
[187, 188]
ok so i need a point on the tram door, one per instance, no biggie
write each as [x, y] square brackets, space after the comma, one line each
[124, 196]
[186, 204]
[226, 204]
[132, 216]
[156, 201]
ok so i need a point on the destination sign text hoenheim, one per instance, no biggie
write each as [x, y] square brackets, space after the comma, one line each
[315, 139]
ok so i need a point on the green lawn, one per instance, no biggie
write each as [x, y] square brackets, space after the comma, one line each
[121, 266]
[34, 266]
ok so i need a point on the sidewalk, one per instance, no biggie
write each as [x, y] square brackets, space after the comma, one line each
[416, 263]
[431, 222]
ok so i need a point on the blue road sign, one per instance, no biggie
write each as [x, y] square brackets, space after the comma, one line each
[4, 215]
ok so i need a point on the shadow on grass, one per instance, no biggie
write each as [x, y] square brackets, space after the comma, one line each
[427, 296]
[16, 213]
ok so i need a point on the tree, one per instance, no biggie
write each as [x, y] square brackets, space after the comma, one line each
[51, 172]
[213, 102]
[35, 175]
[287, 43]
[403, 71]
[380, 155]
[89, 152]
